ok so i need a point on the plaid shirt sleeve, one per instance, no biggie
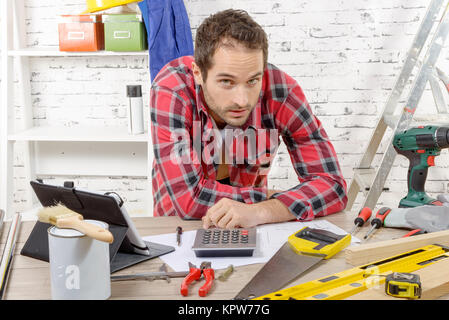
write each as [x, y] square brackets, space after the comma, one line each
[183, 189]
[322, 188]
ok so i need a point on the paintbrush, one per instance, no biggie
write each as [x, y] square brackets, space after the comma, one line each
[64, 218]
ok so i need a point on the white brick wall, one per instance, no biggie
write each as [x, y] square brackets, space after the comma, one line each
[345, 54]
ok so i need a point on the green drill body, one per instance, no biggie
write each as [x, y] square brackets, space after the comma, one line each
[420, 145]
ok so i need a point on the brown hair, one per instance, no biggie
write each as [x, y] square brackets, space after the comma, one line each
[227, 25]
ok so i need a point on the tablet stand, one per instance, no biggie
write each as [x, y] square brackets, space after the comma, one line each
[128, 247]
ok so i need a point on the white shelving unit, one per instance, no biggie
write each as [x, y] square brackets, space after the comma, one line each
[54, 52]
[78, 133]
[50, 150]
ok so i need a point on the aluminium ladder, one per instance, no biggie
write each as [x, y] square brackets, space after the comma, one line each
[366, 178]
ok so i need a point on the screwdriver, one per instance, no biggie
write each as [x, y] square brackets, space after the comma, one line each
[378, 221]
[364, 215]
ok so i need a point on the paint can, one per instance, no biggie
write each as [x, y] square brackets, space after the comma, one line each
[79, 265]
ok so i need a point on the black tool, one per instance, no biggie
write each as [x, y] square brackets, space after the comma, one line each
[178, 235]
[362, 217]
[378, 221]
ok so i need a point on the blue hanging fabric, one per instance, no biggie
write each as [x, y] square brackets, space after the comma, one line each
[168, 29]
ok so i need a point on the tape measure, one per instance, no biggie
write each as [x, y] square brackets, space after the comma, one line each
[403, 285]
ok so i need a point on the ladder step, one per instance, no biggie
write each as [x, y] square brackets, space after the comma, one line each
[364, 178]
[439, 119]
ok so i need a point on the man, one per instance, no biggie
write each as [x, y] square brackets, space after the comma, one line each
[228, 86]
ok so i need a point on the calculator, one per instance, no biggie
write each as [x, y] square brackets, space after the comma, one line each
[239, 242]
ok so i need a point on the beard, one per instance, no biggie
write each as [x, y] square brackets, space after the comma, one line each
[224, 114]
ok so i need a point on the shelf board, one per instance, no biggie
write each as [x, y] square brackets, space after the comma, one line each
[54, 52]
[78, 133]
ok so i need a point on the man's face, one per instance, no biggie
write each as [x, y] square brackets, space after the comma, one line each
[233, 84]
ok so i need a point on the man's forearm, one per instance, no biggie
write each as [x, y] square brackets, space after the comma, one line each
[273, 210]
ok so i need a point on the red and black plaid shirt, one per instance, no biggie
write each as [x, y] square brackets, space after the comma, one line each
[185, 153]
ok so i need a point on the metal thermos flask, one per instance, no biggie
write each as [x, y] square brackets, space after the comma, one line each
[135, 109]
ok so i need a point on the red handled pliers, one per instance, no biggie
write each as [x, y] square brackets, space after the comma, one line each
[195, 274]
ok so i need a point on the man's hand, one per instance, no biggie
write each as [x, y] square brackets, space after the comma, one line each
[229, 214]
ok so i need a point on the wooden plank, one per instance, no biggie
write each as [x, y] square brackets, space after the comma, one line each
[434, 282]
[370, 252]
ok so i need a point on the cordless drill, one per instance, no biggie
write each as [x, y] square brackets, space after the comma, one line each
[420, 145]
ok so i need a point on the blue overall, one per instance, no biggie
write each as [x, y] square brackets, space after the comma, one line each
[169, 34]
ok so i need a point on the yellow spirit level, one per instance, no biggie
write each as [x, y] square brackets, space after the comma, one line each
[349, 282]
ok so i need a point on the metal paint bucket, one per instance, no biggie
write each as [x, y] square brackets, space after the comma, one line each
[79, 265]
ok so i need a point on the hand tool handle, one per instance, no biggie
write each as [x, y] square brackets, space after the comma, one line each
[209, 275]
[363, 216]
[93, 231]
[378, 221]
[414, 233]
[178, 235]
[419, 163]
[194, 274]
[380, 217]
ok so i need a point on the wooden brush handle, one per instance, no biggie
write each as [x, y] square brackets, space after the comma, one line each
[89, 229]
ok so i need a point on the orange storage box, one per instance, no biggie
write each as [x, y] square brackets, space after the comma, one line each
[81, 33]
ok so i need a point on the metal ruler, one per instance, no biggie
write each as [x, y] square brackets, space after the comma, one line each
[349, 282]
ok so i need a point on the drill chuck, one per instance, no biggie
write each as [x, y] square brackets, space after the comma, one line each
[442, 137]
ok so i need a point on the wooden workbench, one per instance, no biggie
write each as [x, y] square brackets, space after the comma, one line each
[30, 278]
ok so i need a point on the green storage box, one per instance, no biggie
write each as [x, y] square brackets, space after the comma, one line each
[124, 32]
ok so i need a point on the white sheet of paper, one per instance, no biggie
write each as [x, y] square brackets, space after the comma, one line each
[270, 238]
